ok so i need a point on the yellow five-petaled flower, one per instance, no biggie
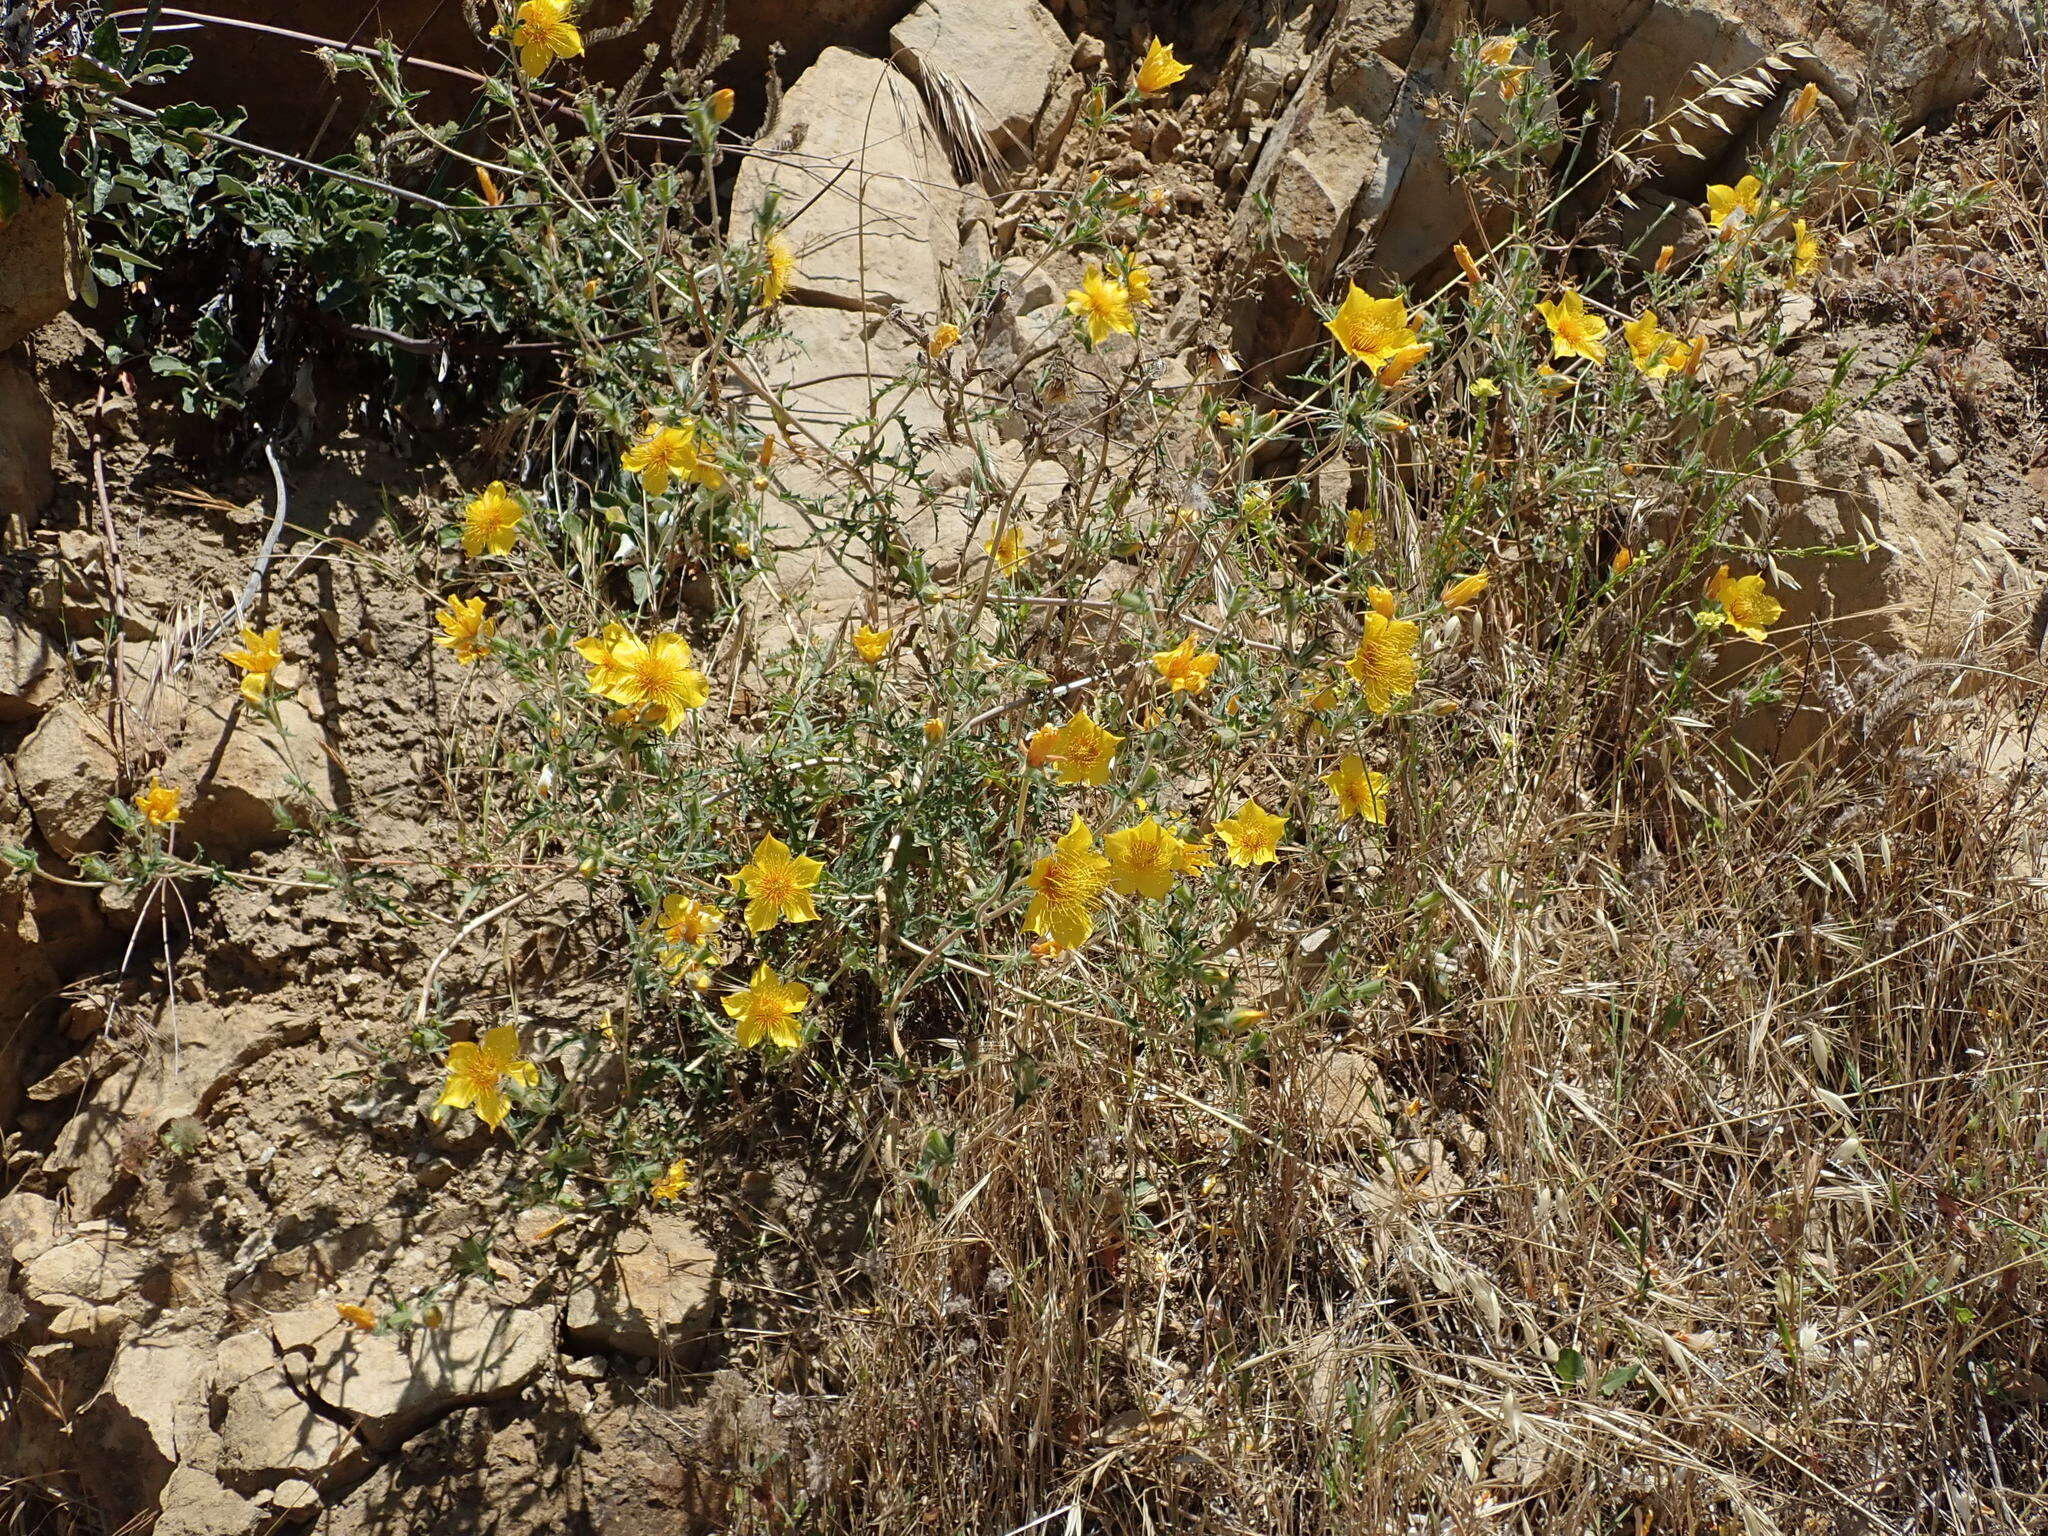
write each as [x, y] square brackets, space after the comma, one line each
[158, 803]
[1384, 664]
[1575, 331]
[259, 655]
[1656, 352]
[673, 1181]
[1068, 885]
[1184, 670]
[543, 33]
[1359, 790]
[1746, 607]
[1380, 333]
[465, 629]
[1145, 860]
[777, 886]
[477, 1074]
[1160, 70]
[1731, 209]
[1081, 750]
[1102, 305]
[490, 523]
[1252, 836]
[766, 1009]
[651, 679]
[666, 453]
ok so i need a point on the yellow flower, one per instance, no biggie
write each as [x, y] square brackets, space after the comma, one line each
[1574, 332]
[1144, 860]
[672, 1182]
[1512, 81]
[1009, 551]
[1161, 70]
[1380, 601]
[488, 188]
[1398, 365]
[1252, 836]
[1103, 304]
[1183, 670]
[873, 644]
[544, 33]
[158, 803]
[686, 922]
[1656, 351]
[777, 886]
[477, 1074]
[655, 677]
[1069, 886]
[1082, 750]
[1748, 608]
[465, 630]
[259, 656]
[1359, 536]
[1803, 105]
[778, 269]
[766, 1009]
[1137, 280]
[1463, 591]
[1360, 791]
[601, 651]
[942, 340]
[934, 731]
[1483, 389]
[1040, 745]
[490, 523]
[362, 1319]
[1624, 557]
[719, 104]
[1805, 251]
[1466, 264]
[1384, 664]
[1374, 331]
[667, 453]
[1730, 208]
[1496, 52]
[1663, 262]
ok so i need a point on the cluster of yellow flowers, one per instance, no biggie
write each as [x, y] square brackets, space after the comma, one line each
[652, 680]
[777, 885]
[1107, 303]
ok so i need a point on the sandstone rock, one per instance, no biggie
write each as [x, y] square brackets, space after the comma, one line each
[86, 1286]
[270, 1433]
[249, 782]
[863, 190]
[66, 772]
[1007, 53]
[391, 1386]
[653, 1294]
[147, 1418]
[293, 1500]
[195, 1504]
[25, 441]
[35, 267]
[1346, 1098]
[29, 1225]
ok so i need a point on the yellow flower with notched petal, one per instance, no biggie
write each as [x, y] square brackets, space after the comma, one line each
[1183, 670]
[477, 1074]
[543, 33]
[1655, 351]
[1103, 305]
[1161, 70]
[1145, 860]
[686, 922]
[260, 654]
[1805, 252]
[1359, 790]
[766, 1009]
[1746, 607]
[669, 453]
[1463, 591]
[158, 803]
[673, 1181]
[655, 676]
[1375, 331]
[942, 340]
[601, 651]
[1497, 52]
[1252, 836]
[778, 270]
[1729, 209]
[1384, 664]
[1009, 551]
[872, 644]
[1081, 750]
[490, 523]
[777, 886]
[1574, 330]
[464, 628]
[1068, 883]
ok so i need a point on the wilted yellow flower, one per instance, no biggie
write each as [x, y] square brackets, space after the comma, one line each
[1069, 885]
[686, 922]
[1009, 551]
[777, 886]
[464, 628]
[362, 1319]
[655, 678]
[1803, 105]
[1463, 591]
[1805, 251]
[1496, 52]
[873, 644]
[674, 1180]
[1663, 262]
[942, 340]
[1102, 304]
[1360, 791]
[1374, 331]
[1398, 365]
[1161, 70]
[543, 33]
[1145, 860]
[1466, 264]
[1082, 750]
[1184, 670]
[777, 271]
[1729, 209]
[158, 803]
[487, 188]
[669, 453]
[1513, 80]
[1359, 536]
[766, 1009]
[1380, 600]
[1252, 836]
[1624, 557]
[258, 657]
[490, 523]
[934, 731]
[1746, 606]
[477, 1074]
[1384, 664]
[1574, 330]
[719, 104]
[1656, 351]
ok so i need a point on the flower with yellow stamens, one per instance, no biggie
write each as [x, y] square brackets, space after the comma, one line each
[1082, 750]
[666, 453]
[260, 654]
[1068, 885]
[465, 629]
[490, 523]
[778, 270]
[1359, 790]
[1145, 860]
[1252, 836]
[1161, 70]
[766, 1009]
[1574, 330]
[1102, 305]
[777, 886]
[1374, 331]
[1184, 670]
[1746, 607]
[479, 1071]
[1384, 664]
[543, 33]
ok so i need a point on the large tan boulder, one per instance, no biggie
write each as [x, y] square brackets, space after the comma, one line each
[32, 670]
[651, 1292]
[1007, 53]
[66, 771]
